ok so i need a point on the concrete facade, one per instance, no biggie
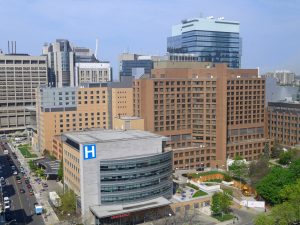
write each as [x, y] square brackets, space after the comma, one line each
[20, 75]
[114, 149]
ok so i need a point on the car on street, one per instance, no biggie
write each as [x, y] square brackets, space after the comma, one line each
[28, 186]
[6, 205]
[45, 185]
[19, 181]
[13, 167]
[27, 182]
[6, 199]
[31, 192]
[22, 190]
[18, 178]
[15, 172]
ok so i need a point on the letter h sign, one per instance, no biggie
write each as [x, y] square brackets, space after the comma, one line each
[89, 152]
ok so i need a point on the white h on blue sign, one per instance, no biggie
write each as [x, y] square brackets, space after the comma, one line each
[89, 151]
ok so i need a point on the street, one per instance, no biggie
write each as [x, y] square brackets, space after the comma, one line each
[22, 204]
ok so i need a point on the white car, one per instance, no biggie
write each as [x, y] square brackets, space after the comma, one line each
[15, 172]
[6, 205]
[6, 199]
[2, 178]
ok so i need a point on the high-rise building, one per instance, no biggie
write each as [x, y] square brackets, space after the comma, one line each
[117, 174]
[211, 40]
[208, 113]
[283, 122]
[92, 72]
[60, 63]
[92, 105]
[135, 64]
[66, 60]
[20, 75]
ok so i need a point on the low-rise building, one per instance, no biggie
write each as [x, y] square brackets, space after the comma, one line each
[117, 174]
[128, 123]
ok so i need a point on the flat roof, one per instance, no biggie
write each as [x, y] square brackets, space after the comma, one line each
[102, 211]
[101, 135]
[51, 166]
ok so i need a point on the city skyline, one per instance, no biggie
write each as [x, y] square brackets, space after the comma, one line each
[143, 27]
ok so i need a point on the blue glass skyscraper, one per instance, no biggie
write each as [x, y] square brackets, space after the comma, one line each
[211, 40]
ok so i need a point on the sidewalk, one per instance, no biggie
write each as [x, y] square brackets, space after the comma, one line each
[49, 217]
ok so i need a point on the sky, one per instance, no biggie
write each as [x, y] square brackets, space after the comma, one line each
[270, 29]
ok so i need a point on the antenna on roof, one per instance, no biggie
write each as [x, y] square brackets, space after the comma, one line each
[96, 50]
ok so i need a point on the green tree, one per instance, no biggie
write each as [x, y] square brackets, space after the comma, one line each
[286, 157]
[263, 219]
[294, 168]
[239, 169]
[216, 204]
[32, 165]
[220, 203]
[68, 202]
[60, 172]
[270, 186]
[284, 214]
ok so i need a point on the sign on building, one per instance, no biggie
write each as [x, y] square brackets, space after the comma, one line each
[89, 152]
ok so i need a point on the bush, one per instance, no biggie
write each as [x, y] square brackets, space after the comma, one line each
[227, 178]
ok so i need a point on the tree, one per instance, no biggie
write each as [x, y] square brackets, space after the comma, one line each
[284, 214]
[276, 150]
[286, 157]
[258, 169]
[263, 219]
[270, 186]
[266, 150]
[60, 173]
[239, 169]
[68, 202]
[220, 203]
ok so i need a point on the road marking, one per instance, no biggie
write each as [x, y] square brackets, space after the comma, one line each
[24, 219]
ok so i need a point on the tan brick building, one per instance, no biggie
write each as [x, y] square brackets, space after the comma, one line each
[128, 123]
[209, 114]
[77, 108]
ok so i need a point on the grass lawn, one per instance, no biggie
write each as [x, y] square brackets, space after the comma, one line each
[224, 217]
[192, 186]
[25, 150]
[199, 194]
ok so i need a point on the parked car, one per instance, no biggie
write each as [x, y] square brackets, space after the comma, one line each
[18, 178]
[8, 215]
[15, 172]
[31, 192]
[45, 185]
[19, 181]
[28, 186]
[22, 190]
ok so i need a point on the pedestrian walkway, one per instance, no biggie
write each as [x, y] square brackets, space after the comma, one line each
[49, 217]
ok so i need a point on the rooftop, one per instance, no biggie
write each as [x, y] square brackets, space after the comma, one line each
[100, 135]
[111, 210]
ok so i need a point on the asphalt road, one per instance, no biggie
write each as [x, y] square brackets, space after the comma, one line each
[22, 204]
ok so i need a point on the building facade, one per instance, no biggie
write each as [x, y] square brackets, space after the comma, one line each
[135, 64]
[283, 122]
[62, 57]
[20, 75]
[92, 72]
[128, 172]
[211, 40]
[208, 114]
[77, 108]
[128, 123]
[283, 77]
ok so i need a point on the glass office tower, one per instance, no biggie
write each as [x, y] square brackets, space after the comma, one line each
[212, 40]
